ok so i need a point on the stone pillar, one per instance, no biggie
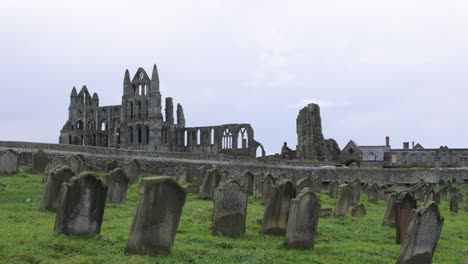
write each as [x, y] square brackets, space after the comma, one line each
[180, 116]
[310, 140]
[277, 209]
[169, 111]
[229, 210]
[157, 216]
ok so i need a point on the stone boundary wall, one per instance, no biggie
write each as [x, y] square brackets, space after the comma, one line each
[157, 163]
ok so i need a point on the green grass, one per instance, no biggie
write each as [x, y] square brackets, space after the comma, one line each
[26, 234]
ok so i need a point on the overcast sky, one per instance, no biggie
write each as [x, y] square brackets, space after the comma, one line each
[377, 68]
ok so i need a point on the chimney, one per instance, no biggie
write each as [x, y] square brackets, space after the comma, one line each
[405, 145]
[387, 141]
[412, 143]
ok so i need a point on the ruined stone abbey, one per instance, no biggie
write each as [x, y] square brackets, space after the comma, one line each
[139, 124]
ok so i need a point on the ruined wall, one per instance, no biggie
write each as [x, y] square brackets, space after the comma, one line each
[310, 140]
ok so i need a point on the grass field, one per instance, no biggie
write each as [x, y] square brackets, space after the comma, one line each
[26, 234]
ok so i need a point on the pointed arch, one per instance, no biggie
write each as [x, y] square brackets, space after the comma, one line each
[227, 139]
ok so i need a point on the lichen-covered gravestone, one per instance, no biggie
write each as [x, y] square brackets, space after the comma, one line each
[316, 184]
[9, 162]
[372, 193]
[259, 178]
[117, 181]
[359, 210]
[183, 176]
[303, 220]
[111, 165]
[333, 189]
[157, 216]
[389, 217]
[304, 183]
[77, 163]
[268, 188]
[52, 184]
[211, 181]
[405, 203]
[81, 206]
[356, 189]
[39, 161]
[276, 213]
[422, 235]
[344, 200]
[229, 210]
[248, 183]
[132, 168]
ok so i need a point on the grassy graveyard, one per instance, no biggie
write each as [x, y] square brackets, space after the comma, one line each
[26, 234]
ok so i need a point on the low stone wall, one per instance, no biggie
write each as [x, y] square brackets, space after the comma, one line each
[157, 163]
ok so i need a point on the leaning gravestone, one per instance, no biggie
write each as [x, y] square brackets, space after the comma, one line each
[111, 165]
[303, 220]
[344, 201]
[316, 184]
[183, 176]
[132, 168]
[372, 193]
[229, 210]
[404, 204]
[211, 181]
[268, 188]
[157, 216]
[259, 178]
[52, 184]
[39, 161]
[248, 183]
[9, 162]
[359, 210]
[389, 217]
[422, 235]
[117, 181]
[77, 163]
[276, 213]
[304, 183]
[81, 206]
[356, 190]
[333, 193]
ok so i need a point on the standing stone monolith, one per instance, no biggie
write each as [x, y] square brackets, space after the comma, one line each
[316, 184]
[333, 189]
[77, 163]
[259, 178]
[268, 188]
[372, 193]
[277, 208]
[132, 168]
[404, 204]
[183, 176]
[39, 161]
[9, 162]
[81, 206]
[304, 183]
[157, 216]
[52, 184]
[211, 181]
[389, 217]
[356, 189]
[310, 140]
[358, 210]
[344, 200]
[422, 235]
[111, 165]
[117, 181]
[229, 210]
[247, 183]
[303, 220]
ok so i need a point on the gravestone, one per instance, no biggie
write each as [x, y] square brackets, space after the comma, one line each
[422, 235]
[81, 206]
[183, 176]
[333, 193]
[111, 165]
[198, 174]
[77, 163]
[303, 220]
[304, 183]
[157, 216]
[344, 200]
[317, 184]
[259, 178]
[277, 208]
[132, 168]
[404, 204]
[192, 188]
[356, 190]
[359, 210]
[372, 193]
[248, 183]
[454, 202]
[117, 181]
[326, 212]
[229, 210]
[389, 217]
[39, 161]
[56, 162]
[52, 184]
[211, 181]
[268, 188]
[9, 162]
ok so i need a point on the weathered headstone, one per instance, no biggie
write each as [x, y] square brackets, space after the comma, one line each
[268, 188]
[303, 220]
[9, 162]
[198, 174]
[304, 183]
[157, 216]
[211, 181]
[389, 217]
[356, 190]
[277, 208]
[316, 184]
[52, 184]
[259, 178]
[325, 212]
[454, 202]
[117, 181]
[39, 161]
[359, 210]
[183, 176]
[132, 168]
[344, 200]
[111, 165]
[81, 206]
[333, 192]
[404, 204]
[422, 235]
[247, 183]
[229, 210]
[77, 163]
[372, 193]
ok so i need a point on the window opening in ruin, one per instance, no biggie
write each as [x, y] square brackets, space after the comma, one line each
[82, 140]
[118, 136]
[198, 137]
[94, 140]
[212, 136]
[69, 139]
[243, 138]
[185, 138]
[147, 135]
[139, 135]
[227, 139]
[130, 134]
